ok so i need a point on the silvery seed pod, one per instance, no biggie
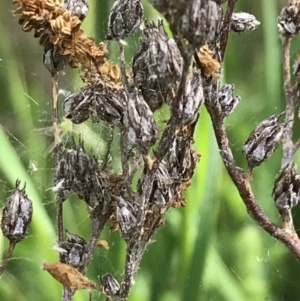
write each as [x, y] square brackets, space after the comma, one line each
[126, 219]
[227, 101]
[52, 58]
[286, 191]
[141, 121]
[170, 7]
[199, 22]
[97, 102]
[16, 215]
[243, 22]
[110, 284]
[78, 8]
[125, 18]
[289, 21]
[154, 93]
[164, 58]
[192, 100]
[73, 250]
[219, 1]
[263, 141]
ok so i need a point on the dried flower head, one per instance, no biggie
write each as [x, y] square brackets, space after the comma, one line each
[192, 100]
[154, 93]
[243, 22]
[78, 8]
[286, 191]
[73, 250]
[125, 18]
[227, 101]
[16, 215]
[289, 21]
[199, 22]
[110, 285]
[97, 102]
[263, 141]
[143, 129]
[164, 58]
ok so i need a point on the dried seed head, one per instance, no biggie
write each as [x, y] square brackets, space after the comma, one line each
[125, 18]
[243, 22]
[192, 100]
[169, 7]
[164, 58]
[141, 120]
[110, 285]
[95, 101]
[289, 21]
[286, 191]
[199, 22]
[16, 215]
[77, 8]
[226, 99]
[154, 93]
[53, 60]
[263, 141]
[126, 219]
[73, 250]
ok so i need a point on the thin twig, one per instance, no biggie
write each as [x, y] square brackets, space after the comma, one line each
[7, 257]
[288, 145]
[56, 133]
[108, 147]
[226, 26]
[253, 208]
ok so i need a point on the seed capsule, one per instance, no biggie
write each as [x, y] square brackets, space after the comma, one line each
[141, 120]
[125, 18]
[226, 99]
[192, 100]
[286, 191]
[199, 22]
[16, 215]
[243, 22]
[110, 284]
[263, 141]
[78, 8]
[164, 58]
[74, 250]
[289, 21]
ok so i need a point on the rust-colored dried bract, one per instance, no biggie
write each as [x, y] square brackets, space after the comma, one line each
[69, 277]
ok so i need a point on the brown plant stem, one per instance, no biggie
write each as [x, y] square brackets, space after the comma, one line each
[56, 133]
[226, 26]
[244, 189]
[7, 257]
[288, 145]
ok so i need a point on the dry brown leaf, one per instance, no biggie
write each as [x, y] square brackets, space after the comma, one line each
[69, 277]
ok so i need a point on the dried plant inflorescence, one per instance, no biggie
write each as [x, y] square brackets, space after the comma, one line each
[180, 73]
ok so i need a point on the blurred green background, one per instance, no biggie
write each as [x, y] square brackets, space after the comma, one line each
[210, 250]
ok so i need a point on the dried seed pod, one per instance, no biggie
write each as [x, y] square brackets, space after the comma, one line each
[263, 141]
[289, 21]
[219, 1]
[126, 219]
[199, 22]
[141, 120]
[73, 250]
[226, 99]
[95, 101]
[110, 284]
[78, 8]
[164, 58]
[192, 100]
[125, 18]
[154, 93]
[243, 22]
[52, 58]
[286, 191]
[169, 8]
[16, 215]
